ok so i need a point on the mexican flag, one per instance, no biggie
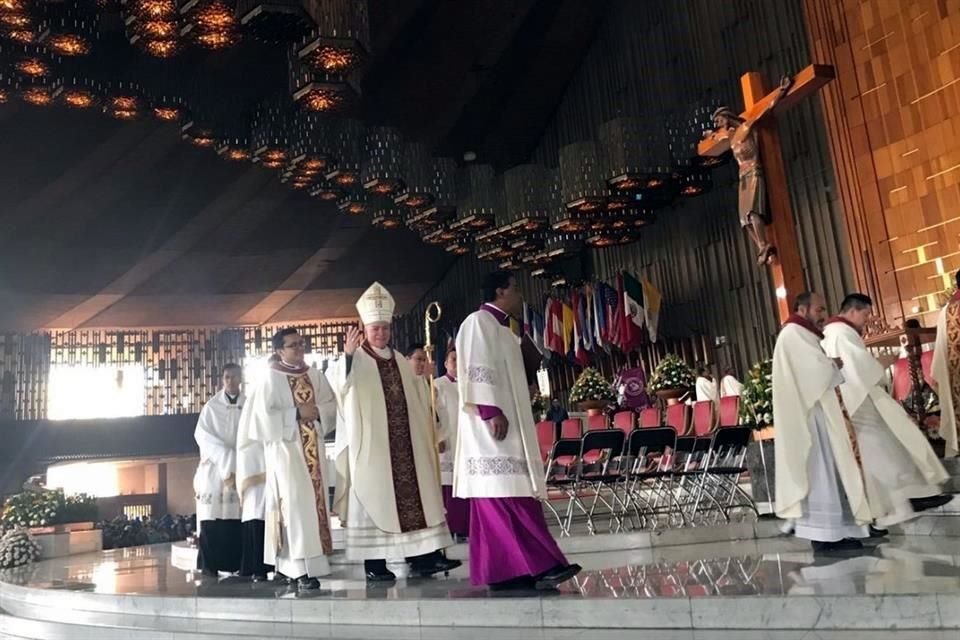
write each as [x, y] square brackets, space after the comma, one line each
[634, 313]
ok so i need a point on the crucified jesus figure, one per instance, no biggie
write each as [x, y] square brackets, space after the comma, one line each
[754, 216]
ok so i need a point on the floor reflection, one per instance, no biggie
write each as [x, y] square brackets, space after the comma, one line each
[768, 567]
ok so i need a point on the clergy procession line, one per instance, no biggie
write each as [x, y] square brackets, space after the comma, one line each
[412, 476]
[408, 479]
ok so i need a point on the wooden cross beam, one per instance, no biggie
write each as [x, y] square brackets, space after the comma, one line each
[786, 270]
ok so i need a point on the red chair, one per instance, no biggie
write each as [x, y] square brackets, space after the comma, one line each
[926, 366]
[597, 423]
[702, 418]
[730, 411]
[678, 417]
[623, 420]
[650, 418]
[546, 432]
[901, 379]
[571, 429]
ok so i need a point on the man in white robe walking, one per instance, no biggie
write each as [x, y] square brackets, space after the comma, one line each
[945, 371]
[497, 464]
[388, 473]
[819, 479]
[214, 483]
[292, 409]
[448, 414]
[900, 469]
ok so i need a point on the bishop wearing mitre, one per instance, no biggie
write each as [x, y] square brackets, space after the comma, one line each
[388, 475]
[819, 476]
[291, 409]
[946, 372]
[901, 472]
[497, 462]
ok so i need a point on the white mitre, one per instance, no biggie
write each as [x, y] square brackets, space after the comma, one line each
[376, 305]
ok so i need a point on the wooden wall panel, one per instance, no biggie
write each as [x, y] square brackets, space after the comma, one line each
[658, 61]
[895, 142]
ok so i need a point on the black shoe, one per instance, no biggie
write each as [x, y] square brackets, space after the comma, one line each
[847, 544]
[281, 578]
[932, 502]
[876, 532]
[438, 564]
[376, 571]
[306, 583]
[553, 578]
[521, 583]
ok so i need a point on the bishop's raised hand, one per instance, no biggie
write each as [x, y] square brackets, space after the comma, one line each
[353, 340]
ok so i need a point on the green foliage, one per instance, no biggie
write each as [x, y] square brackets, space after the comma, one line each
[756, 400]
[590, 386]
[47, 508]
[671, 373]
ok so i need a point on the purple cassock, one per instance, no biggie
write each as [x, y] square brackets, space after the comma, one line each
[509, 537]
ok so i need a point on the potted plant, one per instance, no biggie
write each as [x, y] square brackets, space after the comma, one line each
[538, 405]
[591, 392]
[63, 525]
[17, 548]
[671, 379]
[756, 411]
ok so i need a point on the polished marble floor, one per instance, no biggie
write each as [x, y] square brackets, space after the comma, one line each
[772, 567]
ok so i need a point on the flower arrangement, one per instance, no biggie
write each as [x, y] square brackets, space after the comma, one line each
[591, 386]
[124, 532]
[756, 399]
[46, 508]
[17, 548]
[539, 406]
[671, 373]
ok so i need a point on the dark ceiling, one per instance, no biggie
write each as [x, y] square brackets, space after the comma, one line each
[114, 224]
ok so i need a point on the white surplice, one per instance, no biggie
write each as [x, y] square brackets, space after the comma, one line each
[490, 372]
[730, 386]
[706, 390]
[448, 412]
[898, 461]
[946, 364]
[251, 467]
[365, 497]
[819, 483]
[216, 435]
[292, 536]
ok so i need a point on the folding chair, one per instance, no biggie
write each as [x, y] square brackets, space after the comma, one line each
[719, 483]
[546, 436]
[702, 418]
[558, 477]
[624, 420]
[648, 481]
[729, 411]
[650, 418]
[687, 470]
[571, 429]
[678, 417]
[597, 423]
[599, 471]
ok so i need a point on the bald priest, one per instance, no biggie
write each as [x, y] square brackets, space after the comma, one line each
[388, 473]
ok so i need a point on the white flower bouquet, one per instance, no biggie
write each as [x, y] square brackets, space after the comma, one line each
[671, 373]
[17, 548]
[591, 386]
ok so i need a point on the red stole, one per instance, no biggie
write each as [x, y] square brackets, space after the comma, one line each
[806, 324]
[843, 320]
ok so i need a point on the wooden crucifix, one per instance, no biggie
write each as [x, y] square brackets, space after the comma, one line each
[764, 186]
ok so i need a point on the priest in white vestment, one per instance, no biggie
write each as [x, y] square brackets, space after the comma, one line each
[388, 471]
[448, 413]
[706, 386]
[214, 483]
[498, 466]
[729, 385]
[819, 479]
[900, 469]
[945, 371]
[292, 409]
[251, 484]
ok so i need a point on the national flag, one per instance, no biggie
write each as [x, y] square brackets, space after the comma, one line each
[586, 317]
[527, 326]
[567, 322]
[553, 329]
[615, 331]
[634, 316]
[579, 352]
[652, 298]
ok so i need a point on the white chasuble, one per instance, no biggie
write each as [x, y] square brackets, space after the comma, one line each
[251, 466]
[448, 412]
[730, 386]
[946, 372]
[805, 408]
[706, 390]
[490, 372]
[297, 525]
[388, 476]
[216, 435]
